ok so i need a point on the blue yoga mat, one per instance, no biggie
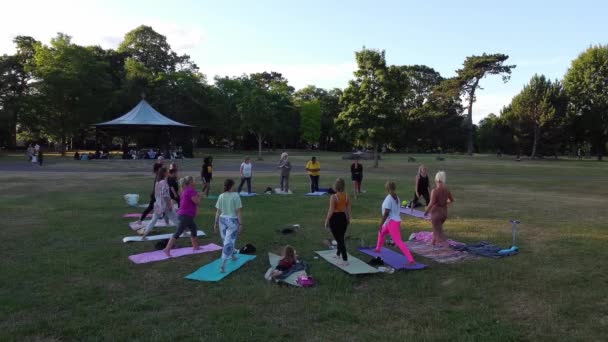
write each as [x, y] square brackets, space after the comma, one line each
[211, 271]
[395, 260]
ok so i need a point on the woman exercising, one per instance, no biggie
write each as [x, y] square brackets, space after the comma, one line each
[338, 218]
[390, 223]
[421, 187]
[440, 197]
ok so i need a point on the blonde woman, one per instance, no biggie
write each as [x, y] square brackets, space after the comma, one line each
[438, 208]
[338, 218]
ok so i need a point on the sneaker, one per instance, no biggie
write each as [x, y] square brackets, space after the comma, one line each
[267, 275]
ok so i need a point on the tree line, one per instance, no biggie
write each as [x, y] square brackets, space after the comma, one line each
[55, 93]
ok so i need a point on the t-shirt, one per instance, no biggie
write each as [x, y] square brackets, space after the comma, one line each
[161, 192]
[311, 165]
[356, 171]
[246, 169]
[186, 206]
[392, 205]
[228, 203]
[285, 167]
[172, 181]
[207, 171]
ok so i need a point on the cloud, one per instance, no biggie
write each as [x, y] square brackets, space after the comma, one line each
[489, 103]
[299, 75]
[88, 23]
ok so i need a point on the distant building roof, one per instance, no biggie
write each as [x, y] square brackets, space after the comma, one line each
[142, 115]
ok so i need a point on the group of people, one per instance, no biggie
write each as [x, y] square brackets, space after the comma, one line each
[169, 192]
[34, 154]
[339, 213]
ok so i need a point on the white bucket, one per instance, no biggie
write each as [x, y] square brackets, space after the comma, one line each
[132, 199]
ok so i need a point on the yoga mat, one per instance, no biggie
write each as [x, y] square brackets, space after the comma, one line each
[414, 213]
[158, 237]
[443, 255]
[247, 194]
[355, 266]
[292, 279]
[142, 205]
[392, 258]
[160, 223]
[279, 192]
[316, 193]
[135, 215]
[211, 271]
[144, 258]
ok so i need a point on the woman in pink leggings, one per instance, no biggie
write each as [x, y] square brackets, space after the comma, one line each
[391, 222]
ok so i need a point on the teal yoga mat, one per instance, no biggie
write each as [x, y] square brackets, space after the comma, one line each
[355, 266]
[211, 271]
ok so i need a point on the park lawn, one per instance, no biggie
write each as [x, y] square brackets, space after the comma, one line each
[65, 273]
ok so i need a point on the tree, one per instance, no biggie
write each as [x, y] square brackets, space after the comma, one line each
[310, 122]
[538, 106]
[369, 111]
[475, 68]
[15, 86]
[586, 84]
[149, 48]
[72, 88]
[256, 117]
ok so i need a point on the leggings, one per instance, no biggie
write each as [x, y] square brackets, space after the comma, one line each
[314, 183]
[338, 225]
[149, 208]
[243, 180]
[185, 222]
[391, 227]
[285, 183]
[425, 194]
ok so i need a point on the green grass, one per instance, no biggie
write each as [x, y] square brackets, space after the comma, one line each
[65, 273]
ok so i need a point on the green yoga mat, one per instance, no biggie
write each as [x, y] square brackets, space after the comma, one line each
[211, 271]
[355, 266]
[291, 280]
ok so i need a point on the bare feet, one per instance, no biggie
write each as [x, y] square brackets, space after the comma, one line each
[196, 248]
[233, 258]
[222, 270]
[167, 252]
[411, 263]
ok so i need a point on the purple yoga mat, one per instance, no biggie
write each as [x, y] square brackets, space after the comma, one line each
[392, 258]
[178, 252]
[135, 215]
[415, 213]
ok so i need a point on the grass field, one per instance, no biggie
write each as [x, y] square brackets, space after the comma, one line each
[65, 273]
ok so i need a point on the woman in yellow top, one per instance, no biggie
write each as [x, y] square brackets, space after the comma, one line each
[313, 167]
[338, 218]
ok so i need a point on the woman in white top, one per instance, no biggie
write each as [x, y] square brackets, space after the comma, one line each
[390, 222]
[228, 220]
[246, 174]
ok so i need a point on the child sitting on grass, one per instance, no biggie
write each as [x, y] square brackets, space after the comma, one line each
[289, 259]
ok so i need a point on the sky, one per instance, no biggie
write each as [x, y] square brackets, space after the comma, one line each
[313, 42]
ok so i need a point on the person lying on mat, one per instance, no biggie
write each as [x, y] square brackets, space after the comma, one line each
[421, 187]
[186, 214]
[163, 206]
[289, 259]
[228, 220]
[390, 223]
[438, 208]
[338, 218]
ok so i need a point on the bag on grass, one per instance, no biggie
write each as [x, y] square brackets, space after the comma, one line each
[305, 281]
[161, 244]
[131, 199]
[248, 249]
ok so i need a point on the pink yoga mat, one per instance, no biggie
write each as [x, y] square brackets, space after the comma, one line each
[135, 215]
[178, 252]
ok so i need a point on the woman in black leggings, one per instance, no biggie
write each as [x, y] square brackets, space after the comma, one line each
[421, 188]
[157, 165]
[338, 218]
